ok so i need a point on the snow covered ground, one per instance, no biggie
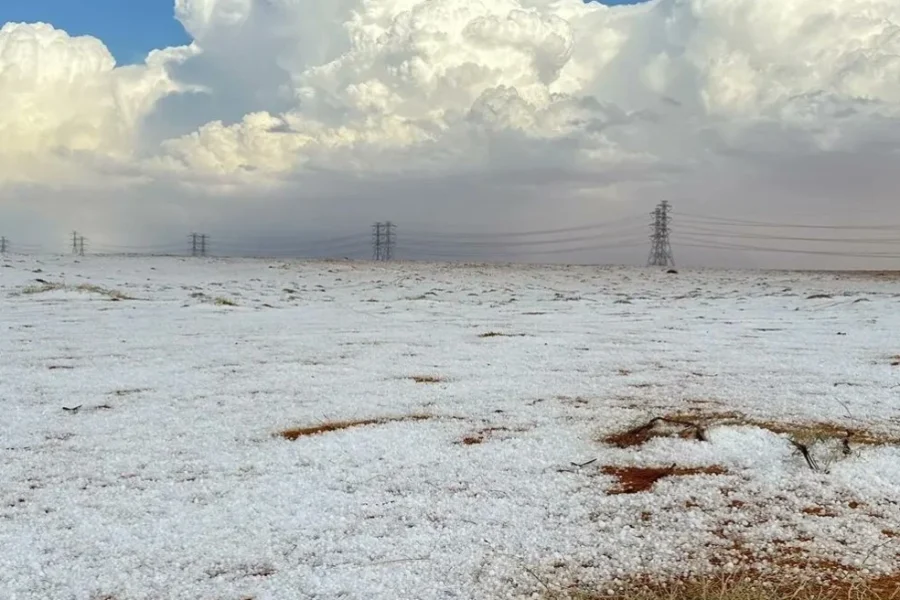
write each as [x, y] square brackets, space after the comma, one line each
[171, 480]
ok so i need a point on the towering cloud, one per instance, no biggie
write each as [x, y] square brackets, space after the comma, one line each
[457, 81]
[64, 102]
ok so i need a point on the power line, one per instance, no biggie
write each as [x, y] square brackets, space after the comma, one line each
[689, 242]
[725, 221]
[533, 233]
[714, 233]
[463, 254]
[627, 234]
[694, 231]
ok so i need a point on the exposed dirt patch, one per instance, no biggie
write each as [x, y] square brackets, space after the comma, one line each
[632, 480]
[751, 585]
[657, 427]
[480, 436]
[818, 511]
[298, 432]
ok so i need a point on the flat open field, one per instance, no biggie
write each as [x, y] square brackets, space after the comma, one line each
[228, 429]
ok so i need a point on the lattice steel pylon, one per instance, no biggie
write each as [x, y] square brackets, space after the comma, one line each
[198, 244]
[378, 241]
[390, 240]
[661, 248]
[383, 240]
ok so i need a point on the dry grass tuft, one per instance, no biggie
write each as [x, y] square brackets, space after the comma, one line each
[114, 295]
[493, 334]
[40, 289]
[693, 425]
[298, 432]
[427, 378]
[633, 480]
[818, 431]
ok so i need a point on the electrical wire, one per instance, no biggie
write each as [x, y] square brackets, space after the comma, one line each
[723, 221]
[432, 235]
[464, 253]
[691, 231]
[693, 243]
[718, 233]
[624, 234]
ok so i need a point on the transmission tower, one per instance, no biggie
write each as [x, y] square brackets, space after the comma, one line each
[198, 244]
[378, 241]
[390, 240]
[661, 247]
[383, 240]
[77, 244]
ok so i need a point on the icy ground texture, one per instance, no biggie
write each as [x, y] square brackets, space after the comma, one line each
[170, 480]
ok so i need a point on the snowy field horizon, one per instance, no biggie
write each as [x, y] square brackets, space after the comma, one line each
[280, 429]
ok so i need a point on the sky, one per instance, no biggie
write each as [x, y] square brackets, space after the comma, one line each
[129, 29]
[541, 130]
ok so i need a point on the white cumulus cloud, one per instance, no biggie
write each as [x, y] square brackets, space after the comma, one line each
[440, 79]
[63, 97]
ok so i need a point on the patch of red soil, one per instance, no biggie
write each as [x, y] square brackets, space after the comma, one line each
[632, 480]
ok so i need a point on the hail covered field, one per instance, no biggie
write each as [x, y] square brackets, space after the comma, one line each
[192, 428]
